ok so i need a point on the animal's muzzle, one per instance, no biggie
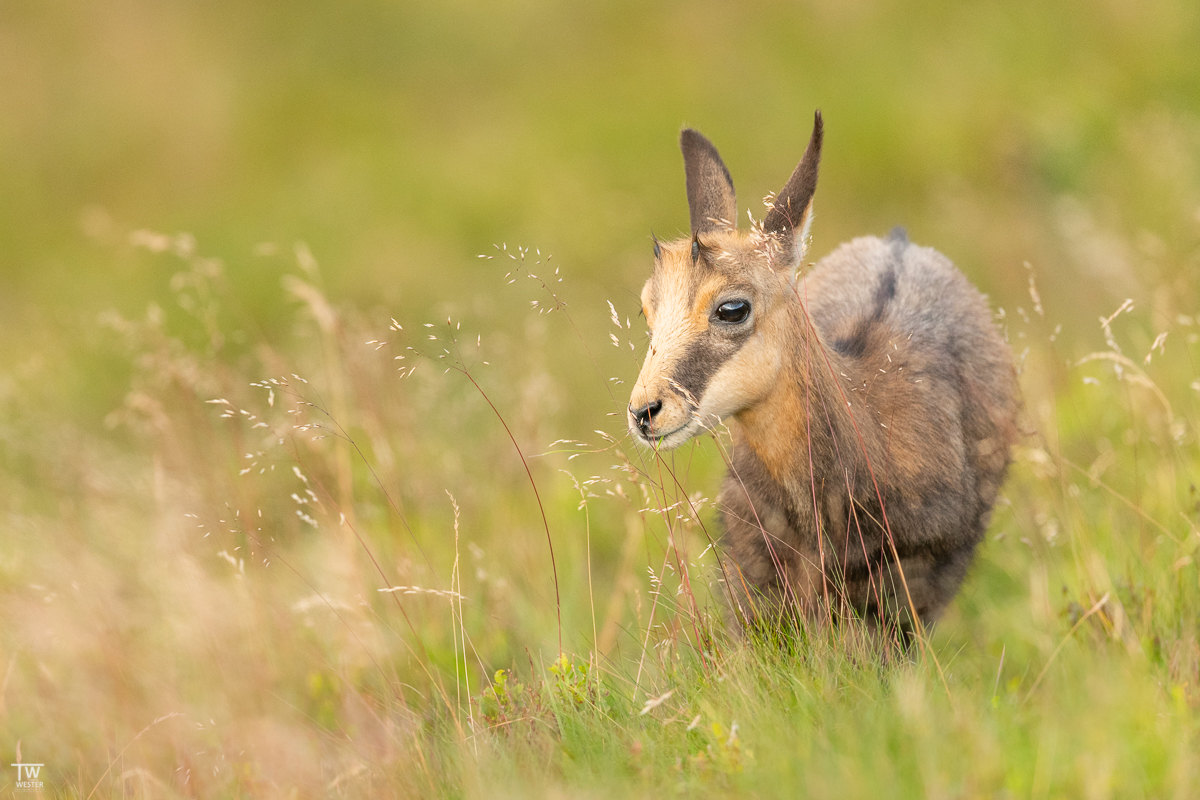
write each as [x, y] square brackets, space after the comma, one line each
[643, 417]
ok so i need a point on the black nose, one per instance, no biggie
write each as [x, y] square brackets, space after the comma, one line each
[644, 416]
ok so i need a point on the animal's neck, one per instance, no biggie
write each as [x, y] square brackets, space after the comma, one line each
[808, 424]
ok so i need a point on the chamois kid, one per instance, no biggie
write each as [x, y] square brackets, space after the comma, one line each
[871, 402]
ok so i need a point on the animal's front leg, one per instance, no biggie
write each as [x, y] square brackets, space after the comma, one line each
[769, 573]
[807, 585]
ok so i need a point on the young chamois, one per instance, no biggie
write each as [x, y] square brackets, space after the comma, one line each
[871, 402]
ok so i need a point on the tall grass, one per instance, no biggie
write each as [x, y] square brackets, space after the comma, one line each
[380, 558]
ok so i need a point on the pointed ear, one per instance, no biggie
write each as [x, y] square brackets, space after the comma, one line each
[791, 214]
[711, 199]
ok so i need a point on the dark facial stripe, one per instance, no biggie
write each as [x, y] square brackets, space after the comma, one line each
[704, 358]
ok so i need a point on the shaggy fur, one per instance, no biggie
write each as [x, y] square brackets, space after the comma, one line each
[872, 403]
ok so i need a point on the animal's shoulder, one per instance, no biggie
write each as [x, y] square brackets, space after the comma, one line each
[870, 280]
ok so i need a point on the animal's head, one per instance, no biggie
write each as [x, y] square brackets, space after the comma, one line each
[716, 303]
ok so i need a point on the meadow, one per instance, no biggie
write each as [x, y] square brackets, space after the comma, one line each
[320, 322]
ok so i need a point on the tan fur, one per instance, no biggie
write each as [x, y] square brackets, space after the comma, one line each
[872, 405]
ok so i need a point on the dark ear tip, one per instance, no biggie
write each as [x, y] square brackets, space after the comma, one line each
[691, 139]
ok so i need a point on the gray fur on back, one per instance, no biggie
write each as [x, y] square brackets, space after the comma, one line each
[932, 389]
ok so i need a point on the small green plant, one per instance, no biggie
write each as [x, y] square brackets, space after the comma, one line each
[571, 682]
[507, 702]
[724, 752]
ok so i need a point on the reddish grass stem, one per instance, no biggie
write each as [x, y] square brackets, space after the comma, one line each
[536, 494]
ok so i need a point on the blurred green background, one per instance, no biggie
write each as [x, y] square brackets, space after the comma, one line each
[400, 139]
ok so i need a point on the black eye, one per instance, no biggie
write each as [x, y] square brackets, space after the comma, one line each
[733, 311]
